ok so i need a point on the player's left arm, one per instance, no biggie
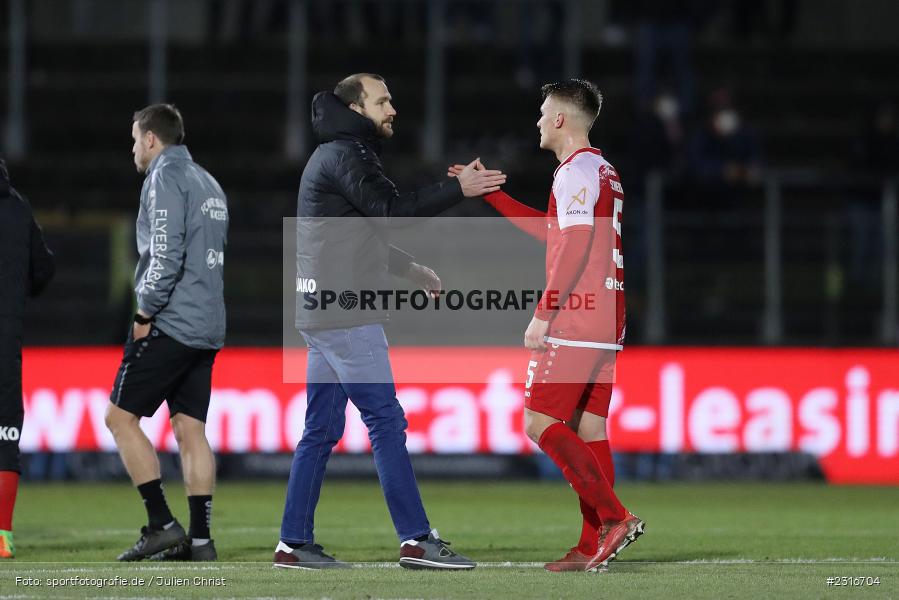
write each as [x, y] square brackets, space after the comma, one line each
[569, 263]
[577, 193]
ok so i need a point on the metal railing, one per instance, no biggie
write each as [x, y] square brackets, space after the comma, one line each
[296, 96]
[889, 230]
[16, 119]
[157, 73]
[773, 229]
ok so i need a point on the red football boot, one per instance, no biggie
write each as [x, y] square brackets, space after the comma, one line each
[615, 537]
[573, 561]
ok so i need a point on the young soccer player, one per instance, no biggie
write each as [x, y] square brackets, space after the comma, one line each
[578, 326]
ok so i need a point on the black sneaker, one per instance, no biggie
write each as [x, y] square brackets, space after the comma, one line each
[187, 551]
[153, 541]
[307, 556]
[432, 553]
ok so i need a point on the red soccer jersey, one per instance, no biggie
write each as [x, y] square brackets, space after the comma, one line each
[587, 195]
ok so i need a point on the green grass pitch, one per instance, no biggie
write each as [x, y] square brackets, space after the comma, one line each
[702, 541]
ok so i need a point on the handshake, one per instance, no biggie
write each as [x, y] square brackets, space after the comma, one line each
[475, 179]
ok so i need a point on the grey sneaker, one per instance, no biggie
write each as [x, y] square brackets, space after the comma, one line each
[153, 541]
[432, 553]
[187, 551]
[308, 556]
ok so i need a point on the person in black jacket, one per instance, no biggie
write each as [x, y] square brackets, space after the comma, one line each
[348, 357]
[26, 266]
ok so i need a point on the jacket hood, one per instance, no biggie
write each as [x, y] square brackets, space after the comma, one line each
[333, 120]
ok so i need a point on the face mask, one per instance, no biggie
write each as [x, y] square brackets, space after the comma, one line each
[726, 121]
[667, 108]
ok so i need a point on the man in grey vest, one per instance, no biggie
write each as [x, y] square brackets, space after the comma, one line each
[182, 230]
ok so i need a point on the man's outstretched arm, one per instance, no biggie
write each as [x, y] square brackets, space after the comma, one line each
[363, 183]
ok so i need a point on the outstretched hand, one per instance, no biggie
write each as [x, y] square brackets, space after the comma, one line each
[475, 179]
[425, 278]
[455, 170]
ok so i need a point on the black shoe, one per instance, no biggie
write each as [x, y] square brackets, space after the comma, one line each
[153, 541]
[187, 551]
[308, 556]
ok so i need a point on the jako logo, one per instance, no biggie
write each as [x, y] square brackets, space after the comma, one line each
[306, 285]
[9, 434]
[214, 258]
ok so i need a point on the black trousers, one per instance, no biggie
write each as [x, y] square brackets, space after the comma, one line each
[12, 412]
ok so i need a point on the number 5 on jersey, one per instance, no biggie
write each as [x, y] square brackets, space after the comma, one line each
[617, 258]
[532, 364]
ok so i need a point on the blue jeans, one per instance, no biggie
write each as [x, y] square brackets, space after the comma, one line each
[351, 364]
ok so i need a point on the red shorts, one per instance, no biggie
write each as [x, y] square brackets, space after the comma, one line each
[564, 379]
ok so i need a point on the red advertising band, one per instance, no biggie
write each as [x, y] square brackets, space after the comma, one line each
[841, 406]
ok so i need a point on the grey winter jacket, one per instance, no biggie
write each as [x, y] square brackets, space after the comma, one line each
[182, 231]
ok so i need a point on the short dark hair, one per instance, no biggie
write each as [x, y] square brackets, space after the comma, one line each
[350, 90]
[580, 93]
[164, 120]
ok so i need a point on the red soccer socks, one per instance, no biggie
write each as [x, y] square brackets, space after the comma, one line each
[582, 470]
[591, 523]
[9, 487]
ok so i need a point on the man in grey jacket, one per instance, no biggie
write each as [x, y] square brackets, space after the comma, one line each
[182, 229]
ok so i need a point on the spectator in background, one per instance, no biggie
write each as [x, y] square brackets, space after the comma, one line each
[665, 29]
[658, 139]
[725, 151]
[725, 159]
[540, 27]
[656, 145]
